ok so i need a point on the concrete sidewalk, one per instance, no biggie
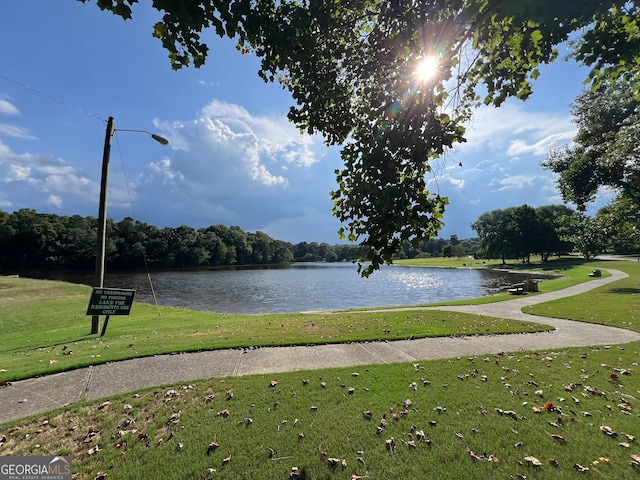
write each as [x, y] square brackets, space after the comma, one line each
[42, 394]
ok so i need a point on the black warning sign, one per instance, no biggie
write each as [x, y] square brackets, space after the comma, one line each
[110, 301]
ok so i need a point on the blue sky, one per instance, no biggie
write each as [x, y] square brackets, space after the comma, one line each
[233, 159]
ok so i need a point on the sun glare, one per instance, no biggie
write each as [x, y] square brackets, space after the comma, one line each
[426, 69]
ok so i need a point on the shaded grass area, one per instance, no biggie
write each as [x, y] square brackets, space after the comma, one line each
[491, 417]
[44, 329]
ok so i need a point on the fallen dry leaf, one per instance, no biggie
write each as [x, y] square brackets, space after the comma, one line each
[174, 419]
[391, 444]
[93, 450]
[474, 455]
[580, 468]
[533, 461]
[608, 431]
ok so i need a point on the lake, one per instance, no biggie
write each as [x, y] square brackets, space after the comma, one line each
[307, 286]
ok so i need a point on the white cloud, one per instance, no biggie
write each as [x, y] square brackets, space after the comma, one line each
[54, 200]
[17, 132]
[446, 180]
[69, 183]
[17, 173]
[511, 182]
[498, 128]
[8, 108]
[232, 167]
[41, 180]
[541, 147]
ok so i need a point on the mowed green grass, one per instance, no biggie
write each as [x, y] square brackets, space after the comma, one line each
[44, 329]
[472, 417]
[554, 414]
[616, 304]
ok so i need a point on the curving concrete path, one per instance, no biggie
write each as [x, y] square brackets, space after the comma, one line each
[43, 394]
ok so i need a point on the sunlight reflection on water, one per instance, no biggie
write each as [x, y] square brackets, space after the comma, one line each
[304, 287]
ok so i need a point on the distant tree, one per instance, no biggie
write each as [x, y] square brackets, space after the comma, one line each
[330, 255]
[624, 215]
[525, 232]
[283, 252]
[458, 250]
[520, 232]
[6, 238]
[471, 245]
[494, 233]
[447, 251]
[589, 235]
[214, 245]
[621, 219]
[130, 238]
[262, 248]
[187, 250]
[300, 250]
[33, 238]
[550, 242]
[238, 251]
[77, 243]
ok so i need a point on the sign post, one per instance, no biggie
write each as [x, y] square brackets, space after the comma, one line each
[110, 301]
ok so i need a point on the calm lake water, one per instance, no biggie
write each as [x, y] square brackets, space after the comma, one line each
[309, 286]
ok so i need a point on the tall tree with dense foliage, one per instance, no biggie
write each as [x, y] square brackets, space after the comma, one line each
[518, 232]
[38, 241]
[604, 154]
[605, 151]
[351, 68]
[494, 233]
[550, 218]
[588, 234]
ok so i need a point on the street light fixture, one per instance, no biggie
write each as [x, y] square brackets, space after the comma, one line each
[102, 209]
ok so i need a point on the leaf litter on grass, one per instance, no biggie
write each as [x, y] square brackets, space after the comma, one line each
[474, 416]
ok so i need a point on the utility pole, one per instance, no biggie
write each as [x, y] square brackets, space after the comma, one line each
[101, 246]
[102, 218]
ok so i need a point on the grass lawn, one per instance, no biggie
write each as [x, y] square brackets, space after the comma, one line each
[545, 415]
[616, 304]
[44, 329]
